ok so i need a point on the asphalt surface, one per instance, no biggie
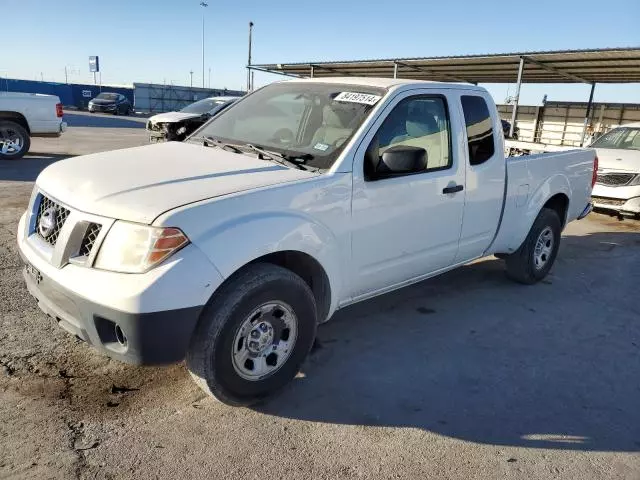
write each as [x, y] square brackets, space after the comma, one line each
[463, 376]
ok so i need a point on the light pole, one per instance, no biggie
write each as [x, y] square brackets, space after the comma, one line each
[249, 61]
[191, 74]
[204, 5]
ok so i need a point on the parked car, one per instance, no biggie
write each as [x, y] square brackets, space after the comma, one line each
[177, 126]
[617, 188]
[115, 103]
[506, 128]
[231, 247]
[26, 115]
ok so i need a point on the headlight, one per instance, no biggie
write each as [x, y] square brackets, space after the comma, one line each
[635, 181]
[134, 248]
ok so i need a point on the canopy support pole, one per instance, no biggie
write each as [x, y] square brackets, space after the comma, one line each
[514, 113]
[587, 114]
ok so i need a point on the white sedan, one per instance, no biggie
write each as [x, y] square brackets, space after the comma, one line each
[176, 126]
[618, 185]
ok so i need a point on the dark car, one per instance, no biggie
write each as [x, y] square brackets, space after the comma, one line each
[115, 103]
[506, 127]
[176, 126]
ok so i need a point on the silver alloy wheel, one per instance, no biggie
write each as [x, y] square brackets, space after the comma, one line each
[543, 249]
[264, 341]
[10, 142]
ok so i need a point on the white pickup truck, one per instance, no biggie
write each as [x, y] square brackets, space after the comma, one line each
[26, 115]
[303, 197]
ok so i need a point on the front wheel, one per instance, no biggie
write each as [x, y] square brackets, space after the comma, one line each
[533, 260]
[14, 140]
[253, 335]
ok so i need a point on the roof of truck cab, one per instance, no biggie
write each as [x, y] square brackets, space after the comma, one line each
[382, 82]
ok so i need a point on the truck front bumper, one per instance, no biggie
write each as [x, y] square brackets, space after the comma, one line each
[136, 338]
[143, 318]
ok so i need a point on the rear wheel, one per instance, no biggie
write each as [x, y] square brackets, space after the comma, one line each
[254, 335]
[14, 140]
[535, 257]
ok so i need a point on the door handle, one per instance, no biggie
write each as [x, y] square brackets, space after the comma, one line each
[453, 189]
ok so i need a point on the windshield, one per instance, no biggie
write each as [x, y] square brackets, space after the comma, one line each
[313, 120]
[621, 138]
[108, 96]
[203, 106]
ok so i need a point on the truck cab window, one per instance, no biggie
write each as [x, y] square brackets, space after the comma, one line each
[419, 122]
[479, 129]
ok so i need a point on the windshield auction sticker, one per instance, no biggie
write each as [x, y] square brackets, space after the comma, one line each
[353, 97]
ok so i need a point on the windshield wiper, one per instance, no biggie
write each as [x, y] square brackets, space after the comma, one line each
[208, 141]
[295, 161]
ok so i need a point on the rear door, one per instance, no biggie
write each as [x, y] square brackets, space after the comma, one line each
[408, 226]
[486, 168]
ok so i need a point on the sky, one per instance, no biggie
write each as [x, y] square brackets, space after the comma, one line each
[161, 40]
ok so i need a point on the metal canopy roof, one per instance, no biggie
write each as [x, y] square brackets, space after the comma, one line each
[609, 65]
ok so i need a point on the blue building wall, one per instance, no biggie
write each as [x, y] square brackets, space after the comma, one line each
[71, 95]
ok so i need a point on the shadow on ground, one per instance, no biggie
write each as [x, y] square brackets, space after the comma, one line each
[98, 120]
[29, 167]
[473, 356]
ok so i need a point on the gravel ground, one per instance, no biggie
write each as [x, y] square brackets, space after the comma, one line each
[464, 376]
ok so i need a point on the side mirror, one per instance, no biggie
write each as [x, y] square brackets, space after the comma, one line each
[398, 160]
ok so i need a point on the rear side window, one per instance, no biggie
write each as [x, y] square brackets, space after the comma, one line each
[479, 129]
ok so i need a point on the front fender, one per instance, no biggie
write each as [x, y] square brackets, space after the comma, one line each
[233, 244]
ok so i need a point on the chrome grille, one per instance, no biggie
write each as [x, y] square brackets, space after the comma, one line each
[615, 179]
[61, 215]
[93, 230]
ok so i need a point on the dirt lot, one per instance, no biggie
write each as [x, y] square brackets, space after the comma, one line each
[465, 376]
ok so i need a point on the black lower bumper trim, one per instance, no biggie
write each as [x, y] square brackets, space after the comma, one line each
[140, 338]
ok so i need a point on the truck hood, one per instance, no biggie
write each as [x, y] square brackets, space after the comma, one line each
[617, 159]
[172, 117]
[138, 184]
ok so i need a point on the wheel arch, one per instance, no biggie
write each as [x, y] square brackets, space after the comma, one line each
[16, 117]
[307, 268]
[560, 204]
[294, 242]
[554, 193]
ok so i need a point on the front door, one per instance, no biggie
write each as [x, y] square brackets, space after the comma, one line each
[408, 226]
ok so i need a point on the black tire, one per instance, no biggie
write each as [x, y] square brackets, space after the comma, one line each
[210, 354]
[117, 110]
[14, 130]
[521, 265]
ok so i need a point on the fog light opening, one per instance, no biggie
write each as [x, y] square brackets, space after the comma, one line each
[120, 336]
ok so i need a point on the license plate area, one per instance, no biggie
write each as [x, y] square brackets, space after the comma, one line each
[34, 273]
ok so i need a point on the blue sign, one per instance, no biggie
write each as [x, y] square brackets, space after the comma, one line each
[94, 64]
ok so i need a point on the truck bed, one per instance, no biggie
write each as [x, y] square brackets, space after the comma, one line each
[528, 186]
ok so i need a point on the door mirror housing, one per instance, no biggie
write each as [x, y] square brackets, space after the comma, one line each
[395, 161]
[403, 159]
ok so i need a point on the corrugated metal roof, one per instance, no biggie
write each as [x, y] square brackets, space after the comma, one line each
[608, 65]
